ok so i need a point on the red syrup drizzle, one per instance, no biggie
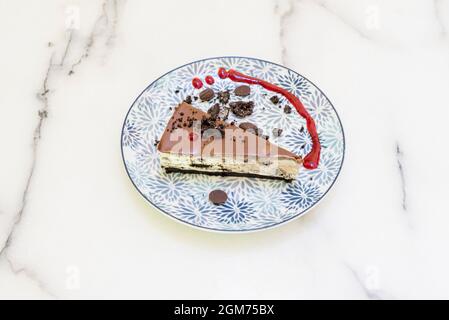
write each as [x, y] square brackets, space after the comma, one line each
[312, 159]
[210, 80]
[197, 83]
[193, 136]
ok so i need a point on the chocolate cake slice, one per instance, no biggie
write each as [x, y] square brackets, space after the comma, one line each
[200, 142]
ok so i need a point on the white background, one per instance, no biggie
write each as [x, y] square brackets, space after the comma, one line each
[72, 225]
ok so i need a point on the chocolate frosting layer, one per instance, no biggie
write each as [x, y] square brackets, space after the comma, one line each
[185, 134]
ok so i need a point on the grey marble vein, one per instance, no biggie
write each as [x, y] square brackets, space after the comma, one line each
[399, 159]
[114, 22]
[283, 18]
[290, 11]
[106, 24]
[67, 48]
[370, 294]
[43, 96]
[342, 19]
[30, 275]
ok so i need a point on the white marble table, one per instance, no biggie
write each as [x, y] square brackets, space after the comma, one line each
[72, 225]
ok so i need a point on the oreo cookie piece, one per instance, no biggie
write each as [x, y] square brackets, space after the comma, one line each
[274, 99]
[241, 108]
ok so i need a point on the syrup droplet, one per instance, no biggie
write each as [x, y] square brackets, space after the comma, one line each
[197, 83]
[210, 80]
[222, 73]
[193, 136]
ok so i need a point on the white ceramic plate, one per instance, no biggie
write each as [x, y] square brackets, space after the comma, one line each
[253, 204]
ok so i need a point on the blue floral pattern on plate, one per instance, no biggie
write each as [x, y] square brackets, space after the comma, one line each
[253, 204]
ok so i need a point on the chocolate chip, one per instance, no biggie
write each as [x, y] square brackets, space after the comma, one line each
[207, 94]
[242, 91]
[210, 123]
[249, 126]
[241, 108]
[302, 129]
[274, 99]
[214, 111]
[287, 109]
[176, 91]
[218, 197]
[188, 100]
[277, 132]
[223, 97]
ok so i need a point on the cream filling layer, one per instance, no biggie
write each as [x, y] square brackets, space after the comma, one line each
[285, 168]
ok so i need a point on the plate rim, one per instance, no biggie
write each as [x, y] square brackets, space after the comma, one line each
[214, 230]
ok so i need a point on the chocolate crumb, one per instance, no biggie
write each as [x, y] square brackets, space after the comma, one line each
[277, 132]
[302, 129]
[214, 111]
[265, 137]
[207, 94]
[303, 146]
[211, 123]
[249, 126]
[287, 109]
[241, 108]
[223, 97]
[274, 99]
[188, 100]
[181, 114]
[218, 197]
[176, 91]
[242, 91]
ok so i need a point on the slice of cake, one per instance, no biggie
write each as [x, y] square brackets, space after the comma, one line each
[196, 141]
